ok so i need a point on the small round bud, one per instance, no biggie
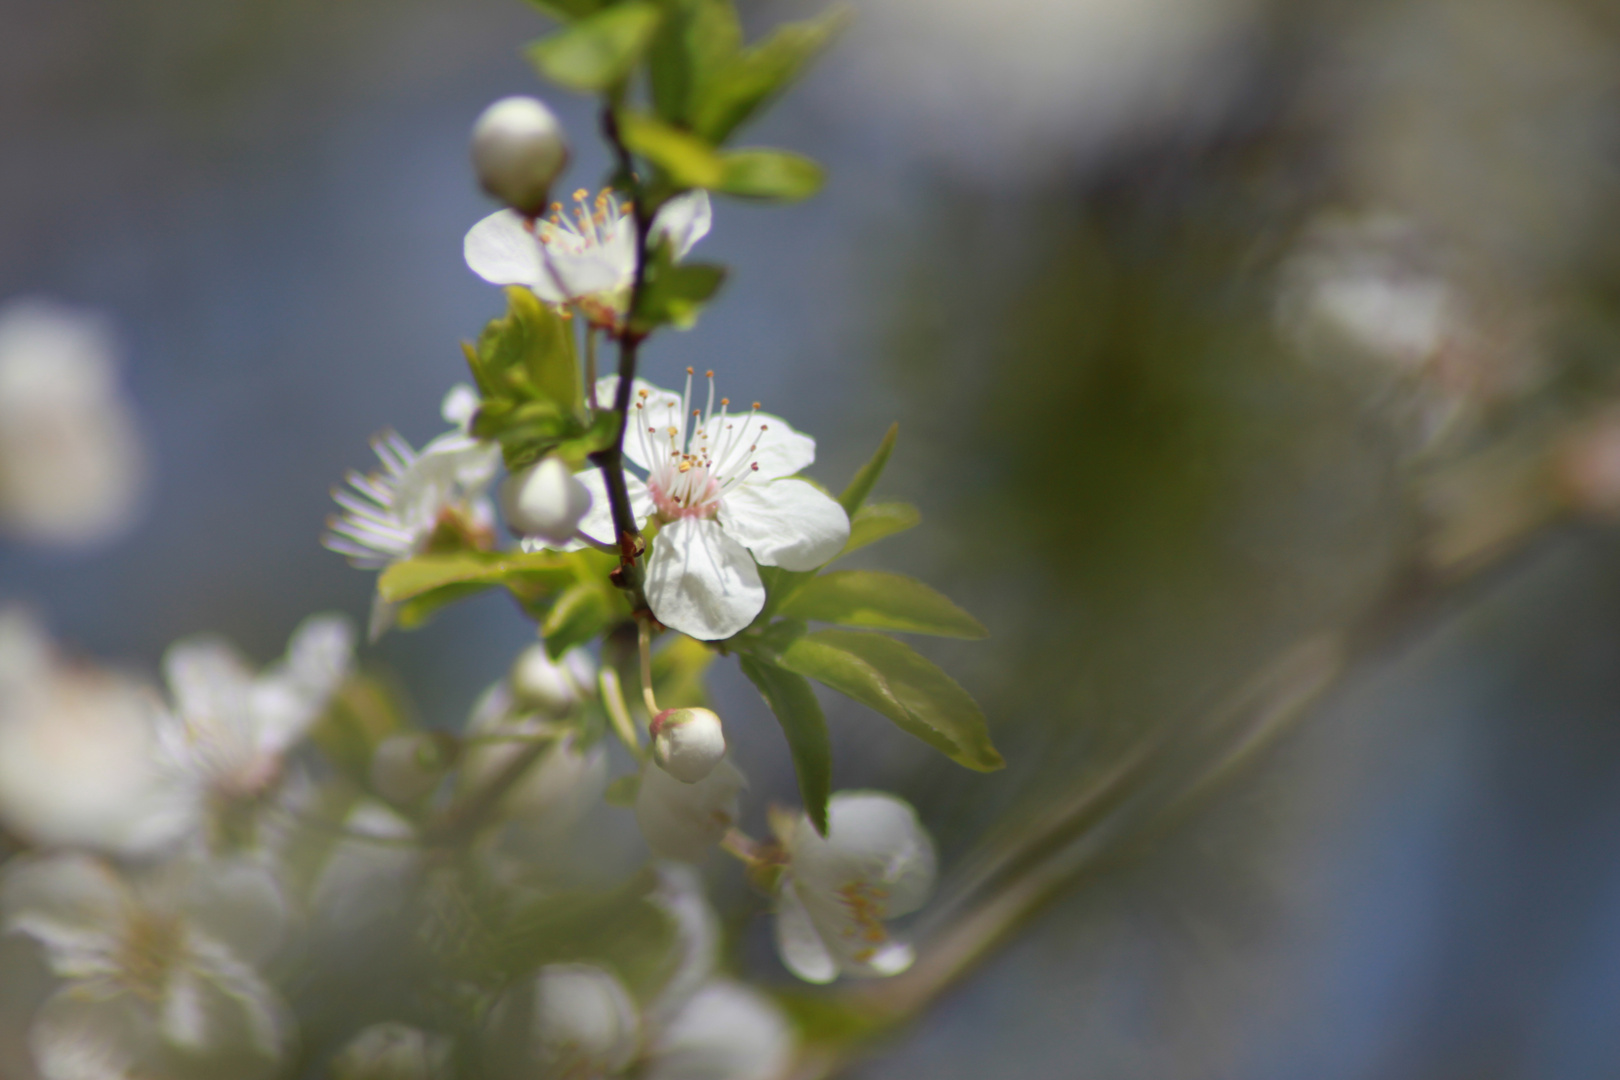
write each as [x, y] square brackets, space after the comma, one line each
[570, 1020]
[518, 149]
[393, 1051]
[406, 767]
[545, 500]
[687, 743]
[554, 687]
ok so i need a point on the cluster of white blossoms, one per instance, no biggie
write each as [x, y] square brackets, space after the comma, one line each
[72, 463]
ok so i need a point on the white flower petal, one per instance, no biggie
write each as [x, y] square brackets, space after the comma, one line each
[685, 220]
[701, 581]
[778, 450]
[727, 1031]
[786, 523]
[77, 1037]
[802, 950]
[697, 937]
[684, 821]
[210, 684]
[598, 520]
[71, 904]
[234, 1013]
[460, 405]
[873, 838]
[571, 1020]
[502, 252]
[235, 900]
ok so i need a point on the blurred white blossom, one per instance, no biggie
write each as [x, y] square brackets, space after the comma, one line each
[588, 259]
[155, 971]
[684, 821]
[79, 764]
[569, 1022]
[393, 1051]
[725, 1031]
[72, 463]
[876, 863]
[392, 514]
[562, 783]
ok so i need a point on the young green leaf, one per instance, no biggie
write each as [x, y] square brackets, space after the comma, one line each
[760, 173]
[874, 521]
[582, 611]
[736, 90]
[676, 293]
[598, 51]
[866, 477]
[880, 601]
[696, 39]
[528, 354]
[424, 573]
[687, 161]
[797, 710]
[888, 676]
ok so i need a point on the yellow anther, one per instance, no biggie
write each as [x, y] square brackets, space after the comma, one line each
[689, 371]
[686, 466]
[756, 404]
[725, 401]
[674, 431]
[580, 195]
[709, 374]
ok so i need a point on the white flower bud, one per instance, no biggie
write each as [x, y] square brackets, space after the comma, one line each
[393, 1052]
[518, 149]
[687, 743]
[571, 1020]
[554, 687]
[545, 500]
[406, 767]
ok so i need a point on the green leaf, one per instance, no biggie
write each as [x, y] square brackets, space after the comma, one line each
[739, 88]
[797, 710]
[880, 601]
[866, 477]
[528, 354]
[416, 611]
[676, 292]
[598, 51]
[425, 573]
[696, 39]
[888, 676]
[759, 173]
[874, 521]
[584, 610]
[685, 159]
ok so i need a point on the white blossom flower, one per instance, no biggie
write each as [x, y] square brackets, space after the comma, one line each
[72, 464]
[231, 727]
[876, 863]
[687, 743]
[518, 149]
[392, 515]
[78, 752]
[156, 974]
[570, 1022]
[589, 260]
[683, 821]
[725, 1031]
[564, 782]
[554, 687]
[545, 500]
[393, 1051]
[722, 489]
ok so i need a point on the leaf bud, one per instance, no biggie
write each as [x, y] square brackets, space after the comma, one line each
[545, 500]
[554, 687]
[687, 743]
[406, 767]
[518, 149]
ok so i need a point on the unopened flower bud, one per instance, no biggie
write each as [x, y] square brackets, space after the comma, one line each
[687, 743]
[554, 687]
[393, 1052]
[545, 500]
[571, 1020]
[518, 149]
[406, 767]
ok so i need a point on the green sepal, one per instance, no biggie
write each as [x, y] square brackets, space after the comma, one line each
[685, 160]
[877, 600]
[762, 173]
[874, 521]
[737, 89]
[797, 710]
[866, 477]
[888, 676]
[597, 52]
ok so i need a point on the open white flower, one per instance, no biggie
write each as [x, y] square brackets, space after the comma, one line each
[72, 463]
[78, 752]
[155, 972]
[231, 727]
[721, 487]
[392, 514]
[589, 260]
[876, 863]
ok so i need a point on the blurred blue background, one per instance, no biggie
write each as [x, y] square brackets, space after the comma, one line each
[1050, 245]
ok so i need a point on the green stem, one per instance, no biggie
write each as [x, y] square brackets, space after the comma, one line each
[607, 680]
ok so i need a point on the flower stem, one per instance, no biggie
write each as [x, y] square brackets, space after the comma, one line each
[611, 459]
[590, 366]
[607, 680]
